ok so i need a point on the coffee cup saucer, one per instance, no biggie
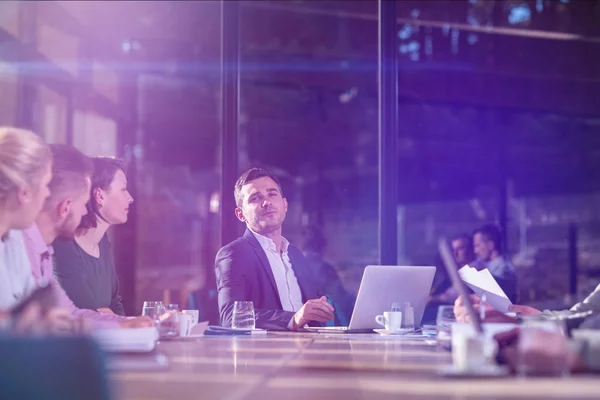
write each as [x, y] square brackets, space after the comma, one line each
[401, 331]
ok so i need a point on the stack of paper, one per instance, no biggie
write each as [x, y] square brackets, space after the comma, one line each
[127, 340]
[483, 283]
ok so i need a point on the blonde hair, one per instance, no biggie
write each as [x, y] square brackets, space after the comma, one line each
[24, 156]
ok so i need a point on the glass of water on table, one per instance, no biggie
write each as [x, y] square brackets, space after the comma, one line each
[444, 321]
[243, 315]
[153, 309]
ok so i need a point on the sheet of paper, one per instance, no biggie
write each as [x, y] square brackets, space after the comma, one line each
[482, 282]
[199, 328]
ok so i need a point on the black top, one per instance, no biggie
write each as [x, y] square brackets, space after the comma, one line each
[90, 282]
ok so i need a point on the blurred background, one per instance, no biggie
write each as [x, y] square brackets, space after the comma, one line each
[498, 122]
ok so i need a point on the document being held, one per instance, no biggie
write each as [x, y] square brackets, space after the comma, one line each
[482, 282]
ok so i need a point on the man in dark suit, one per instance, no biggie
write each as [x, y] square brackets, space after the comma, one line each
[262, 266]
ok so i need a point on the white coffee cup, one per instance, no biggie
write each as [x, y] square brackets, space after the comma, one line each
[391, 320]
[195, 315]
[185, 324]
[470, 351]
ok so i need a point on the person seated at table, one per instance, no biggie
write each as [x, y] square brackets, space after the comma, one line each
[462, 248]
[84, 265]
[487, 245]
[60, 217]
[25, 171]
[573, 316]
[262, 266]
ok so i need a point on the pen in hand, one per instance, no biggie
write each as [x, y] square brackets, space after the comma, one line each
[482, 308]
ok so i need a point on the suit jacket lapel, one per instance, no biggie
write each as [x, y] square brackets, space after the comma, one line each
[260, 253]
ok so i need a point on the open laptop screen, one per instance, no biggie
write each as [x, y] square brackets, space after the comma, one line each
[457, 283]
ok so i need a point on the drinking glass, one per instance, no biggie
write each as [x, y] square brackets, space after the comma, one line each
[153, 309]
[168, 324]
[444, 321]
[243, 315]
[408, 317]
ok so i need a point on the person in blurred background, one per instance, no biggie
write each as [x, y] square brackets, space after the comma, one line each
[25, 171]
[313, 244]
[462, 248]
[487, 244]
[84, 265]
[60, 217]
[262, 266]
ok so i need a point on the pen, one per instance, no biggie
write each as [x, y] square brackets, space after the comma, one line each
[482, 308]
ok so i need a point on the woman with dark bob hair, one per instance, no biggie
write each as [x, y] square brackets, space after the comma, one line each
[85, 265]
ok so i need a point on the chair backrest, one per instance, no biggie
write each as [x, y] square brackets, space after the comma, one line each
[52, 368]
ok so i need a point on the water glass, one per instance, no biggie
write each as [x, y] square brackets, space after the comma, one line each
[408, 317]
[243, 315]
[169, 324]
[444, 321]
[542, 349]
[153, 309]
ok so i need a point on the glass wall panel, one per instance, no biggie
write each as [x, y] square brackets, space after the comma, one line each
[309, 115]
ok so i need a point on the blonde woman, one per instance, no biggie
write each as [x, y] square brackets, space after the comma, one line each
[25, 171]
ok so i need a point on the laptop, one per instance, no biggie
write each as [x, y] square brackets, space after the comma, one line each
[380, 287]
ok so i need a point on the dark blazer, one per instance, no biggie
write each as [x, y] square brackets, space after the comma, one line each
[244, 274]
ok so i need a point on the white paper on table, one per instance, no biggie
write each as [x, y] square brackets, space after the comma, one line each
[127, 340]
[199, 328]
[482, 282]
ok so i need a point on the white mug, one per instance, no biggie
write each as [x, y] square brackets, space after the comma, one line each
[185, 324]
[472, 351]
[195, 315]
[391, 320]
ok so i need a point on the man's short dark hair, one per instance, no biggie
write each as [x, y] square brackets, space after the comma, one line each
[491, 233]
[105, 169]
[464, 237]
[70, 169]
[251, 175]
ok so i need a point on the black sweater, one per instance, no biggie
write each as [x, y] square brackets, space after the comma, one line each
[90, 282]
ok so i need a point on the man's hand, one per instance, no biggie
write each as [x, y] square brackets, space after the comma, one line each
[318, 310]
[28, 322]
[524, 311]
[105, 310]
[58, 321]
[491, 314]
[137, 322]
[460, 311]
[55, 322]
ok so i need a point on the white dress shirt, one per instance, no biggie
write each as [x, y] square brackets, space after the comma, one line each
[287, 284]
[16, 279]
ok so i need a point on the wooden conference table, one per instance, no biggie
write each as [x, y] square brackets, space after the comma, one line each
[325, 366]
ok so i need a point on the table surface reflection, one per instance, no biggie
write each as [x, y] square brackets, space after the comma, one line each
[301, 366]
